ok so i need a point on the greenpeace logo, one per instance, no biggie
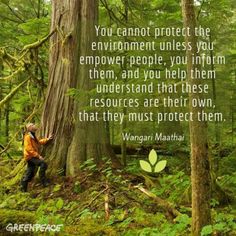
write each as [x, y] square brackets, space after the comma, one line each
[33, 228]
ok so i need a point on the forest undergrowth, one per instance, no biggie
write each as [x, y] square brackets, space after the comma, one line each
[104, 201]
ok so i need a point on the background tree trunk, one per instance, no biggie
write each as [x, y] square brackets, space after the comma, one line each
[90, 139]
[124, 124]
[7, 117]
[1, 93]
[200, 167]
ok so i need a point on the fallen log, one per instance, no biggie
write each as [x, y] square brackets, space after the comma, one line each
[163, 204]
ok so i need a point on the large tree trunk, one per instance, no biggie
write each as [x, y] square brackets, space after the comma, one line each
[90, 139]
[58, 107]
[74, 141]
[200, 167]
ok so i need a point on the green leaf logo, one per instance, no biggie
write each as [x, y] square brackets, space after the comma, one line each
[152, 157]
[145, 166]
[153, 164]
[160, 166]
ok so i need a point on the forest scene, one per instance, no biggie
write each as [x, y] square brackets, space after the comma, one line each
[117, 117]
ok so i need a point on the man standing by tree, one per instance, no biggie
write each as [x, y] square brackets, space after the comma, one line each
[32, 156]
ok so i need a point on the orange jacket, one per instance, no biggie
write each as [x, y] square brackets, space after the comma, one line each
[31, 146]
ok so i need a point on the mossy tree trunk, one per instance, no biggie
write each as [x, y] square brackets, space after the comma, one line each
[1, 95]
[7, 117]
[200, 165]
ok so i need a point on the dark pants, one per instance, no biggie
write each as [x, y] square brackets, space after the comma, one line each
[31, 171]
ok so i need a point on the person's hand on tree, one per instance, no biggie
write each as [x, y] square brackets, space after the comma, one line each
[41, 158]
[51, 136]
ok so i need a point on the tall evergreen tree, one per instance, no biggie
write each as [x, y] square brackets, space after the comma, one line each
[200, 166]
[75, 140]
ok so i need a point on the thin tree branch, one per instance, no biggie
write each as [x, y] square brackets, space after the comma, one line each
[200, 10]
[10, 19]
[20, 69]
[32, 4]
[111, 13]
[39, 6]
[14, 13]
[35, 44]
[12, 93]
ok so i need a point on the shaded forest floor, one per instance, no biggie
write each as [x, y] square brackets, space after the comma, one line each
[102, 201]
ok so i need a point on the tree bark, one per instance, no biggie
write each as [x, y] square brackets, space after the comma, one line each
[200, 167]
[90, 139]
[74, 141]
[58, 107]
